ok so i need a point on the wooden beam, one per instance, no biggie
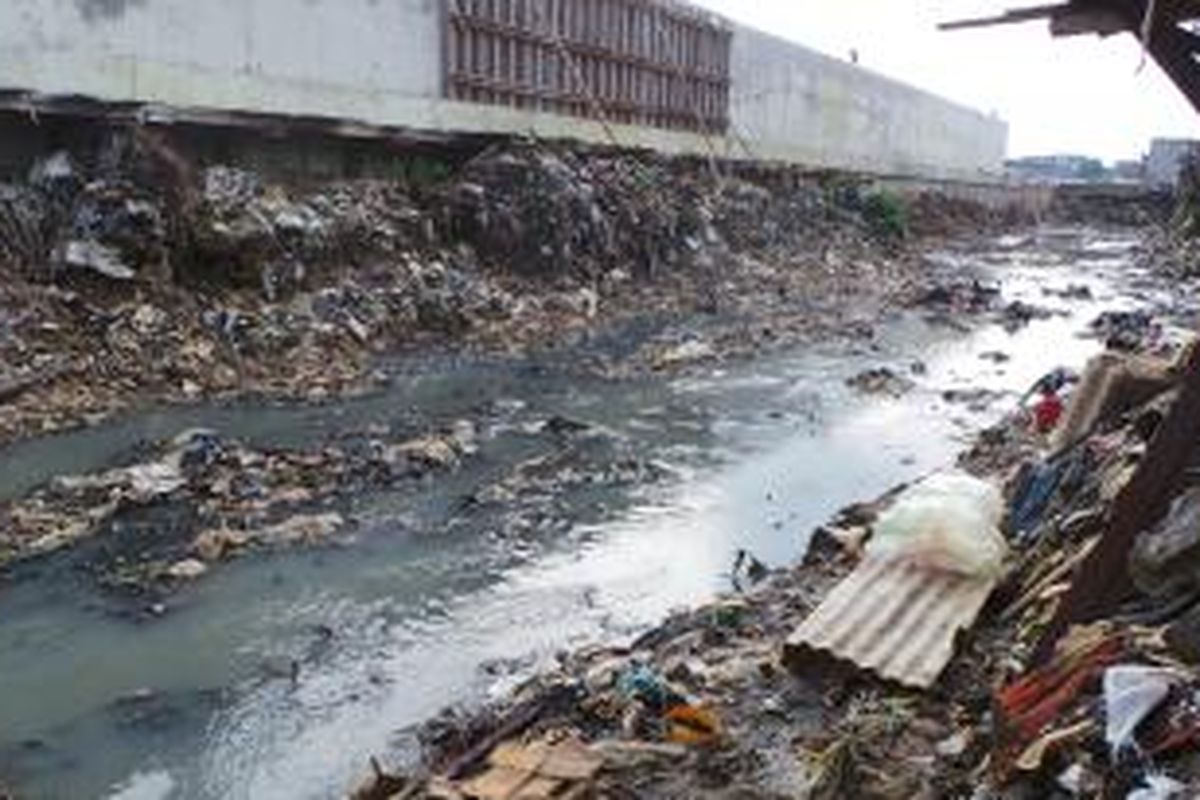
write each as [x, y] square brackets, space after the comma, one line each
[1010, 17]
[1175, 50]
[1076, 22]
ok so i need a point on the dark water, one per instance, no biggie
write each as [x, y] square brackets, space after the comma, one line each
[433, 604]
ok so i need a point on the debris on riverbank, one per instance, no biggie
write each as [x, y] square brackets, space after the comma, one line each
[143, 279]
[231, 498]
[1040, 697]
[881, 380]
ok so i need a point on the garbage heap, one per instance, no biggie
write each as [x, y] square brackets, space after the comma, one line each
[1175, 246]
[1025, 627]
[202, 499]
[131, 275]
[1111, 205]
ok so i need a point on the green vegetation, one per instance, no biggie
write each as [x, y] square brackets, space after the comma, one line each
[423, 171]
[887, 214]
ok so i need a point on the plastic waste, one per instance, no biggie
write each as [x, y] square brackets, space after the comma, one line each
[1131, 693]
[1158, 787]
[1071, 779]
[692, 725]
[950, 521]
[1164, 559]
[1047, 412]
[643, 683]
[1036, 487]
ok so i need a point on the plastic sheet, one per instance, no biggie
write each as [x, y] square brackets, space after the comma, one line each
[1131, 693]
[1158, 787]
[950, 522]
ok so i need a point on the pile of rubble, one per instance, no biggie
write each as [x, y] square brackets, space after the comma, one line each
[1111, 205]
[224, 498]
[1027, 628]
[1174, 244]
[134, 277]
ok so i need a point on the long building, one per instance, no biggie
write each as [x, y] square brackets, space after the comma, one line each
[643, 73]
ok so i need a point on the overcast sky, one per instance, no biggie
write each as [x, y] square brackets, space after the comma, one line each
[1080, 95]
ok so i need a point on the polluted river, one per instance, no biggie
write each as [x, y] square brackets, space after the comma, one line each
[278, 675]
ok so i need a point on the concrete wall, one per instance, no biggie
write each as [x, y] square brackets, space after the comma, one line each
[371, 60]
[795, 104]
[379, 62]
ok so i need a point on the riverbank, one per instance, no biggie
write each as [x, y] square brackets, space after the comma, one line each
[745, 721]
[143, 284]
[134, 280]
[713, 703]
[587, 506]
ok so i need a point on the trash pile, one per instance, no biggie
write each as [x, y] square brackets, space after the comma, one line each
[881, 380]
[210, 499]
[132, 276]
[1027, 627]
[934, 214]
[1174, 245]
[1110, 205]
[946, 302]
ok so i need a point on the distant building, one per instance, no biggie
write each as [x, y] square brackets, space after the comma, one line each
[1131, 171]
[1060, 168]
[1166, 159]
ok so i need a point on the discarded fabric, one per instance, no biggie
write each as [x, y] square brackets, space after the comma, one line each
[1035, 487]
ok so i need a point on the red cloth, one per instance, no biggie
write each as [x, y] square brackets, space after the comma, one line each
[1047, 413]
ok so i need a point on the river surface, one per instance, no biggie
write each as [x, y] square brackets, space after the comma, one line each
[434, 604]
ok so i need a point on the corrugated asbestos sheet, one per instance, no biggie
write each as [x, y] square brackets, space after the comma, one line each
[893, 618]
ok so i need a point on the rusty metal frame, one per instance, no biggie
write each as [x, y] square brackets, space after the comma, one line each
[638, 62]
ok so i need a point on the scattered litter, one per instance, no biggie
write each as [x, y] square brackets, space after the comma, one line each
[538, 771]
[946, 522]
[187, 570]
[893, 618]
[1033, 489]
[96, 257]
[1131, 693]
[686, 353]
[881, 380]
[1047, 412]
[524, 245]
[1127, 331]
[692, 725]
[1158, 787]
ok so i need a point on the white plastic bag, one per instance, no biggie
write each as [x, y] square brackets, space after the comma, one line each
[949, 521]
[1158, 787]
[1131, 693]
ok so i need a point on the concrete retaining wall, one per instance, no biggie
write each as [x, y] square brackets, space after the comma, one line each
[794, 104]
[379, 62]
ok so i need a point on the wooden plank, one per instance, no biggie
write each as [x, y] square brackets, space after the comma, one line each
[571, 760]
[1007, 18]
[540, 788]
[497, 783]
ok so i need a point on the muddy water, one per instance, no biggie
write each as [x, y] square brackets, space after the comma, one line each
[436, 602]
